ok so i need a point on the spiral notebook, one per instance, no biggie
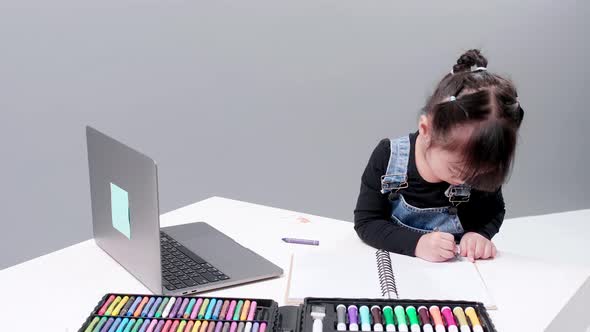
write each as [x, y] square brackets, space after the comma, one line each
[370, 274]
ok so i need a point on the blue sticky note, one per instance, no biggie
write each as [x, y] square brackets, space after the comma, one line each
[120, 210]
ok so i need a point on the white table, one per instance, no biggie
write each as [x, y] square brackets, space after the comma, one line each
[81, 274]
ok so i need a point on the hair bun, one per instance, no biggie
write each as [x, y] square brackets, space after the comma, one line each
[469, 59]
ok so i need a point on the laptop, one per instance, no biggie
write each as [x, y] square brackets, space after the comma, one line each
[176, 260]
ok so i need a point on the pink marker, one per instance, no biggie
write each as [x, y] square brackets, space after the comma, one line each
[106, 305]
[448, 315]
[152, 325]
[230, 312]
[252, 310]
[262, 327]
[233, 326]
[196, 308]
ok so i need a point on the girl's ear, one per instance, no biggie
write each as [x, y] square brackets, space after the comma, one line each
[425, 127]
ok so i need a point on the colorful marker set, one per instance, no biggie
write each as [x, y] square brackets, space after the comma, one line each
[112, 324]
[149, 313]
[407, 318]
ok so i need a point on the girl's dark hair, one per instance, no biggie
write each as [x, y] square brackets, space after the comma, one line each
[470, 97]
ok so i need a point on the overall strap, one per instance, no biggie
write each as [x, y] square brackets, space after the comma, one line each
[396, 176]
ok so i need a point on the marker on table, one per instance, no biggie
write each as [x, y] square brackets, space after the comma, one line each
[224, 309]
[211, 327]
[139, 308]
[388, 315]
[145, 325]
[138, 324]
[123, 324]
[148, 306]
[225, 327]
[204, 326]
[196, 326]
[353, 318]
[119, 306]
[425, 318]
[475, 324]
[400, 316]
[133, 306]
[233, 327]
[262, 327]
[189, 326]
[108, 324]
[238, 311]
[175, 308]
[217, 310]
[181, 326]
[463, 325]
[248, 327]
[130, 325]
[203, 309]
[365, 318]
[439, 326]
[160, 326]
[241, 326]
[341, 314]
[255, 327]
[189, 309]
[301, 241]
[126, 307]
[152, 325]
[155, 307]
[377, 318]
[113, 306]
[100, 324]
[218, 326]
[210, 308]
[230, 311]
[182, 308]
[167, 325]
[413, 317]
[115, 325]
[451, 324]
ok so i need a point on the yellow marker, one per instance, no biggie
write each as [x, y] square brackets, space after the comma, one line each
[204, 326]
[181, 326]
[118, 308]
[463, 325]
[196, 326]
[113, 306]
[203, 309]
[470, 312]
[245, 309]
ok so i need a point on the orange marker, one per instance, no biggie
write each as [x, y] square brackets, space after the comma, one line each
[439, 326]
[140, 306]
[245, 310]
[189, 326]
[204, 326]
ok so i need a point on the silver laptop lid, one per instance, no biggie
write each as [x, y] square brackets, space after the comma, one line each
[125, 210]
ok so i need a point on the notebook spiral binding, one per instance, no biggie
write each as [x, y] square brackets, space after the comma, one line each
[386, 276]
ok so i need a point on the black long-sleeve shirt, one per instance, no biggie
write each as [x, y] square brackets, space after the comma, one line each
[483, 213]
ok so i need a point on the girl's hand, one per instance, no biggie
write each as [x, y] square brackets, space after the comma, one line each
[475, 246]
[436, 247]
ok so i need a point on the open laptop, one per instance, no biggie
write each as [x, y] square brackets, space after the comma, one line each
[175, 260]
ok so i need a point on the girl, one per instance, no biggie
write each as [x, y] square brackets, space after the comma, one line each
[423, 193]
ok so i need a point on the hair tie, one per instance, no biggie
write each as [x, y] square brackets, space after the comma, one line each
[478, 69]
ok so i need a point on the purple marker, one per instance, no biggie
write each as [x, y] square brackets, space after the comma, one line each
[177, 305]
[233, 327]
[302, 241]
[182, 308]
[218, 326]
[353, 318]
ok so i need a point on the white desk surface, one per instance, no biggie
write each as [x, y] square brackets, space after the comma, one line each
[81, 274]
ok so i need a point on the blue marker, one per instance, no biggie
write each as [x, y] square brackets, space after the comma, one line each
[115, 325]
[210, 309]
[217, 310]
[133, 306]
[123, 324]
[108, 324]
[145, 325]
[155, 307]
[147, 307]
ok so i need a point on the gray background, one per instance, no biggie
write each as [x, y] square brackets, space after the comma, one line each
[272, 102]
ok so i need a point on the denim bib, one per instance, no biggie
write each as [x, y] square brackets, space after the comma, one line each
[424, 220]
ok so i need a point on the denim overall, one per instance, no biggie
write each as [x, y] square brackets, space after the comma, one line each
[423, 220]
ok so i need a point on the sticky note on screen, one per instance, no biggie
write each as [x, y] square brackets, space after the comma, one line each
[120, 210]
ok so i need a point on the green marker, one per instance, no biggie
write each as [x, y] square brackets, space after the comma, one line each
[161, 308]
[400, 315]
[203, 308]
[137, 325]
[100, 324]
[129, 325]
[413, 316]
[388, 315]
[92, 324]
[238, 310]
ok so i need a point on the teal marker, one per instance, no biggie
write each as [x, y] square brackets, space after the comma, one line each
[365, 318]
[137, 325]
[101, 322]
[189, 308]
[400, 315]
[161, 308]
[209, 312]
[238, 310]
[129, 325]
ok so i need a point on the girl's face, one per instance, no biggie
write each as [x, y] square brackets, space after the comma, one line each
[444, 164]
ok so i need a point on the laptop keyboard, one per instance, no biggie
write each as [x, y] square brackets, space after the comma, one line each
[181, 268]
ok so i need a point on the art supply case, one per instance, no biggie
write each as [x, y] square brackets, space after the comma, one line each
[298, 318]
